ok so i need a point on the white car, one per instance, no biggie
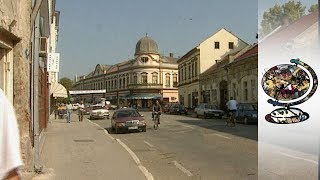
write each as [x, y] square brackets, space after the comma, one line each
[208, 110]
[99, 112]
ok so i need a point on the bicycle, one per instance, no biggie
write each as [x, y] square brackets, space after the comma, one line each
[231, 120]
[156, 118]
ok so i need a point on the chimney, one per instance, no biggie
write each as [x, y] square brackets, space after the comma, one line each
[171, 54]
[285, 21]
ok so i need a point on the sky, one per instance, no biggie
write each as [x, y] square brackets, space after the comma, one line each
[106, 32]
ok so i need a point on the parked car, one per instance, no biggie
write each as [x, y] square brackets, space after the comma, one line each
[112, 106]
[208, 110]
[87, 109]
[247, 113]
[166, 107]
[128, 119]
[178, 109]
[99, 112]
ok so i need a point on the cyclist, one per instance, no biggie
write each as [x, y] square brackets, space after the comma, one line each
[156, 109]
[232, 109]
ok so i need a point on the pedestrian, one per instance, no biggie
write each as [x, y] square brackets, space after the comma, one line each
[10, 157]
[69, 109]
[80, 111]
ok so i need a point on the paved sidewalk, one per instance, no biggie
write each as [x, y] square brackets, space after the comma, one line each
[81, 150]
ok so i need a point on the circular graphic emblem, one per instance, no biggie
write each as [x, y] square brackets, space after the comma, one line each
[285, 82]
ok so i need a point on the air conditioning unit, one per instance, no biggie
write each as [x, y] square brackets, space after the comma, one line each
[43, 46]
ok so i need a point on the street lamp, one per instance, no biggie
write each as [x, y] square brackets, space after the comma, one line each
[118, 102]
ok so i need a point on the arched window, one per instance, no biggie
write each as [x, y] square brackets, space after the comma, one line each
[155, 78]
[135, 78]
[144, 78]
[175, 80]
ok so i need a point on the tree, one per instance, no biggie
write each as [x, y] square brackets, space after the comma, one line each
[67, 83]
[313, 8]
[273, 17]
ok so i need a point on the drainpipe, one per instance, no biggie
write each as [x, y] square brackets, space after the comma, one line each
[35, 94]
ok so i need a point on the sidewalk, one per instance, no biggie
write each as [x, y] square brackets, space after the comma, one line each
[81, 150]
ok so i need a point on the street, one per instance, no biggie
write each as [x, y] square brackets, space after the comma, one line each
[191, 148]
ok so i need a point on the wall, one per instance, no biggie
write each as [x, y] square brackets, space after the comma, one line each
[208, 53]
[20, 11]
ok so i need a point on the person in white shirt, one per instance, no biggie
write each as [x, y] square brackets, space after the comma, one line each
[10, 157]
[80, 111]
[232, 109]
[69, 109]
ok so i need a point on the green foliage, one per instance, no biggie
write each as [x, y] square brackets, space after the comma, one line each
[313, 8]
[273, 17]
[67, 83]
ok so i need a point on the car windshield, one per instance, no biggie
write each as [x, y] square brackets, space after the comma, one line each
[128, 113]
[208, 106]
[97, 107]
[248, 107]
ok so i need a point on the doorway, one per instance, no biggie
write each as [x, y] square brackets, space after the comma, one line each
[223, 94]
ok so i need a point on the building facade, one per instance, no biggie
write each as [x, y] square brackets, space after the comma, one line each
[236, 75]
[199, 59]
[139, 81]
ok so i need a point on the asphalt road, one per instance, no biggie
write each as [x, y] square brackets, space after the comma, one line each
[191, 148]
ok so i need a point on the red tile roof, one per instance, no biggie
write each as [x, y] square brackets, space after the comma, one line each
[252, 51]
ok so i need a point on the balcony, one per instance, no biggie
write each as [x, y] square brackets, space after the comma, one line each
[145, 86]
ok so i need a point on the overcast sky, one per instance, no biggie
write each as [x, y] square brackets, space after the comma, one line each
[106, 32]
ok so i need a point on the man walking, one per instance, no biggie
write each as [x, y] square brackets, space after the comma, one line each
[69, 109]
[80, 111]
[10, 158]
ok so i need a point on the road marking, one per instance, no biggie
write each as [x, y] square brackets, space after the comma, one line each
[150, 145]
[296, 157]
[144, 170]
[136, 159]
[184, 170]
[185, 131]
[188, 126]
[222, 136]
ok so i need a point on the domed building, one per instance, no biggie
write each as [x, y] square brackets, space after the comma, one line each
[138, 82]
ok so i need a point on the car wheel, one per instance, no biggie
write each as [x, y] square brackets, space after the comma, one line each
[204, 115]
[144, 129]
[245, 120]
[108, 117]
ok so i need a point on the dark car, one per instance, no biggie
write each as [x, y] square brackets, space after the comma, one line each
[178, 109]
[247, 113]
[166, 107]
[128, 119]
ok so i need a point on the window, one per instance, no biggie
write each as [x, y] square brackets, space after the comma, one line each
[128, 80]
[245, 89]
[144, 59]
[181, 74]
[175, 80]
[185, 73]
[189, 72]
[196, 68]
[234, 90]
[154, 78]
[192, 70]
[135, 78]
[167, 80]
[253, 85]
[214, 94]
[217, 45]
[231, 45]
[144, 78]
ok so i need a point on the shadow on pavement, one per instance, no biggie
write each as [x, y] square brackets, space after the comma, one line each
[246, 131]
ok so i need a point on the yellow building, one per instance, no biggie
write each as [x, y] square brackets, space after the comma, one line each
[199, 59]
[139, 81]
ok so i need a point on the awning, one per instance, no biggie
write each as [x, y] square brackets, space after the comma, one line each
[58, 90]
[143, 96]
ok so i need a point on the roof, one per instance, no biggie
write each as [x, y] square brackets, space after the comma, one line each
[170, 60]
[146, 45]
[289, 32]
[250, 52]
